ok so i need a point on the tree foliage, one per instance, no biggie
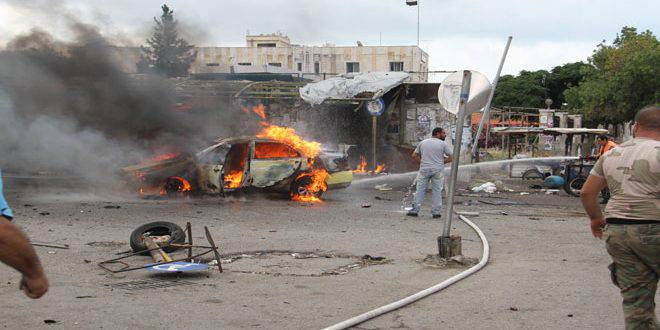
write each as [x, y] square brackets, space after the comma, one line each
[625, 76]
[532, 88]
[166, 52]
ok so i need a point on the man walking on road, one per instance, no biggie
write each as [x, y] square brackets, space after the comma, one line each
[432, 154]
[16, 251]
[632, 216]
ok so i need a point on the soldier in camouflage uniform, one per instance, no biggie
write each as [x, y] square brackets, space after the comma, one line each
[631, 224]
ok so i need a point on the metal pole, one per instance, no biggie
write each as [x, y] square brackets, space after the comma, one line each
[444, 241]
[373, 141]
[418, 3]
[486, 113]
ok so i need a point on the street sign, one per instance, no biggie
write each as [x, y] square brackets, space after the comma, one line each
[449, 93]
[179, 266]
[376, 107]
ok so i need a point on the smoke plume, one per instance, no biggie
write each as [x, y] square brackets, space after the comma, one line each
[66, 107]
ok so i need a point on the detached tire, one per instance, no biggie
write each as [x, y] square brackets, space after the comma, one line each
[157, 228]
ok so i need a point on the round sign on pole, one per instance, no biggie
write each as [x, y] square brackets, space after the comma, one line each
[449, 93]
[376, 107]
[179, 266]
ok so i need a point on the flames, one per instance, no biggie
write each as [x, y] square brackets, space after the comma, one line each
[173, 184]
[233, 180]
[310, 184]
[314, 185]
[309, 149]
[362, 167]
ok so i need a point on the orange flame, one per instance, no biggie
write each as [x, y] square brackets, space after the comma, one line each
[174, 184]
[317, 177]
[233, 180]
[309, 149]
[362, 167]
[260, 110]
[185, 185]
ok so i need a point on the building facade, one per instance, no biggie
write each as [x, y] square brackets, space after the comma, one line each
[275, 53]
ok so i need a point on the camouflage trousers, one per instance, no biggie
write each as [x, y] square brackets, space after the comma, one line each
[635, 251]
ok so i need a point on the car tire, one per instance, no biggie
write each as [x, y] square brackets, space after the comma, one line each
[533, 174]
[177, 235]
[299, 187]
[574, 186]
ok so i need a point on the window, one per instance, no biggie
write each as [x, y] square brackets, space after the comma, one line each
[212, 64]
[244, 63]
[267, 150]
[299, 66]
[270, 44]
[352, 67]
[317, 67]
[275, 64]
[396, 66]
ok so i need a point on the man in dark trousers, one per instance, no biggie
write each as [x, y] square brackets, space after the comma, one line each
[631, 225]
[16, 251]
[432, 154]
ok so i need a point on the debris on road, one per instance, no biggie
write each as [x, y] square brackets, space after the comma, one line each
[487, 187]
[106, 244]
[383, 187]
[467, 213]
[52, 245]
[159, 237]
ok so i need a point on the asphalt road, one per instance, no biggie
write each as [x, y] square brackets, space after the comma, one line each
[546, 271]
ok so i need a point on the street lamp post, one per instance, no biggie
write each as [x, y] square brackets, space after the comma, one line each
[415, 3]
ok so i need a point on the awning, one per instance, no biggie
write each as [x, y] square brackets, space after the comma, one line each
[372, 84]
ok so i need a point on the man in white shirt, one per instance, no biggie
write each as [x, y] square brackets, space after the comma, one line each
[432, 154]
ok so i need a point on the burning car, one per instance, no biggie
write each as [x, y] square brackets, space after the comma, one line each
[276, 160]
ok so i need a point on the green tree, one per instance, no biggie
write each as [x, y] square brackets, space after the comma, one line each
[527, 89]
[166, 52]
[625, 76]
[564, 77]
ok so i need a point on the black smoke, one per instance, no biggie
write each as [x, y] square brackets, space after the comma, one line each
[66, 107]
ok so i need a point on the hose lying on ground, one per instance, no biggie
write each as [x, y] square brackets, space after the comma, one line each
[419, 295]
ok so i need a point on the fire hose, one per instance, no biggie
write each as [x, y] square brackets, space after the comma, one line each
[426, 292]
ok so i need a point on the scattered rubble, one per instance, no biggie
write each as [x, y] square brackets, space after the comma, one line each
[488, 187]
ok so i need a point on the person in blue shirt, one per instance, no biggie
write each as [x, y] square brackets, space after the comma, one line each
[16, 251]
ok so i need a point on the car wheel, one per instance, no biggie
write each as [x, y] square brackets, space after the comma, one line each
[157, 228]
[574, 186]
[533, 174]
[300, 188]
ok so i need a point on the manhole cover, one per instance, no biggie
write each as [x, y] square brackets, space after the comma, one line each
[148, 284]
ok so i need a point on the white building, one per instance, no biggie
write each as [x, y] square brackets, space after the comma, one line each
[275, 53]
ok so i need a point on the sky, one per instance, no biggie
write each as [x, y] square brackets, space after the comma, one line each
[457, 34]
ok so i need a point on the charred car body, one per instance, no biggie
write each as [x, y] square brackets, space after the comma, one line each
[243, 162]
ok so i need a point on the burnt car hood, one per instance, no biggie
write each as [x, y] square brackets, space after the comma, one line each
[150, 171]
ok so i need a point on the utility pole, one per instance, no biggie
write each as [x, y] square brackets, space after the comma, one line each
[444, 241]
[485, 115]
